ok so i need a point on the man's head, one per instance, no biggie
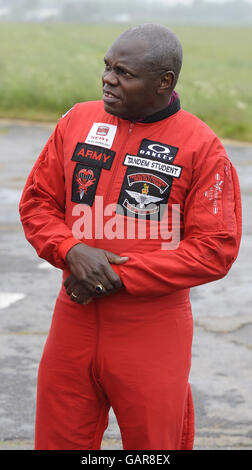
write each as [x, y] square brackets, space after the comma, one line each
[141, 70]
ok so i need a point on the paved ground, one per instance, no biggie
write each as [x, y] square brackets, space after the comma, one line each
[222, 357]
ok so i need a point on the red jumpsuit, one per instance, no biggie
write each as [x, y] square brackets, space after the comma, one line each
[130, 350]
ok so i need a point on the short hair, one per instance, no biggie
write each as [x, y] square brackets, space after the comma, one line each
[165, 52]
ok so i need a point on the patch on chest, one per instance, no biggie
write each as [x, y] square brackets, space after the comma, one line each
[157, 151]
[142, 193]
[93, 155]
[101, 134]
[146, 163]
[148, 179]
[84, 184]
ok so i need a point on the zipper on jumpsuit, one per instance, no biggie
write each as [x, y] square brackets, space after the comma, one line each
[96, 366]
[131, 127]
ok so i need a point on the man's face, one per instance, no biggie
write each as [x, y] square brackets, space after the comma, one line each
[129, 88]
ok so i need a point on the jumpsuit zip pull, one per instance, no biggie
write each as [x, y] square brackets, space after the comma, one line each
[131, 127]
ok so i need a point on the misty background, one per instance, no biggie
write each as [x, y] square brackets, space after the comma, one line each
[194, 12]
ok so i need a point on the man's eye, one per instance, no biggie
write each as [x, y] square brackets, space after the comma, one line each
[123, 72]
[117, 70]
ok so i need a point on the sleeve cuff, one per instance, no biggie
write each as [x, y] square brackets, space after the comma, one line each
[66, 245]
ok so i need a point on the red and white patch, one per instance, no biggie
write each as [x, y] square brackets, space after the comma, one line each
[84, 184]
[84, 178]
[101, 134]
[214, 193]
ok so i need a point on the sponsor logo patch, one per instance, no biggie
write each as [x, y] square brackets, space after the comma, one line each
[157, 151]
[93, 155]
[102, 134]
[84, 183]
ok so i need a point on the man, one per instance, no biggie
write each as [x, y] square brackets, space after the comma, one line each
[95, 205]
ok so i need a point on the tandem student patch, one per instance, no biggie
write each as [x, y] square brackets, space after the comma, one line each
[152, 165]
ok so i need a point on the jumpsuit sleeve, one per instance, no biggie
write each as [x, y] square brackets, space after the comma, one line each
[42, 205]
[212, 221]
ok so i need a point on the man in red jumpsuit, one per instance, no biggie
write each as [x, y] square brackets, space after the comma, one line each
[99, 205]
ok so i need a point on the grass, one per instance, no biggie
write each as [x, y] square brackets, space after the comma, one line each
[45, 69]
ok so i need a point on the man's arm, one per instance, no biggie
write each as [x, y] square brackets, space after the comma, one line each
[211, 242]
[42, 212]
[42, 205]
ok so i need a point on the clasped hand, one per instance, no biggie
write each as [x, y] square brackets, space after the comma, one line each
[90, 267]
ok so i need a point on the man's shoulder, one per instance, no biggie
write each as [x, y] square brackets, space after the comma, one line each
[194, 122]
[84, 107]
[201, 138]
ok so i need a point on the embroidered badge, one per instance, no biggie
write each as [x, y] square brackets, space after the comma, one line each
[84, 184]
[214, 193]
[101, 134]
[143, 192]
[157, 151]
[148, 179]
[142, 199]
[165, 168]
[93, 155]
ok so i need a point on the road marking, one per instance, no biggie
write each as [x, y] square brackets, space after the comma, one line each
[45, 265]
[8, 298]
[10, 196]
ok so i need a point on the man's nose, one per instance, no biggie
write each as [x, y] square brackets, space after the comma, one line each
[110, 77]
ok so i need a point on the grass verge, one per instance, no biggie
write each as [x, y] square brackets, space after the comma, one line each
[45, 69]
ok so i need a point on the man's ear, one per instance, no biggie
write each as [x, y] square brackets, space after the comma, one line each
[166, 82]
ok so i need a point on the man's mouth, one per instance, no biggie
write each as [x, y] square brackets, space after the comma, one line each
[109, 97]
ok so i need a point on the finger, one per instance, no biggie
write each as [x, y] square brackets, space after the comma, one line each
[84, 299]
[74, 296]
[88, 287]
[87, 301]
[71, 287]
[104, 291]
[115, 259]
[85, 280]
[121, 260]
[68, 280]
[113, 278]
[80, 298]
[106, 283]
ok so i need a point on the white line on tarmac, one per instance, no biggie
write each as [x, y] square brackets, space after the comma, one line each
[8, 298]
[45, 265]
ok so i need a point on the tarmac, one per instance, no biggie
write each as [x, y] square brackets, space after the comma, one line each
[220, 376]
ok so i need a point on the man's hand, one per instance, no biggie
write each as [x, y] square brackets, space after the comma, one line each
[76, 291]
[91, 267]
